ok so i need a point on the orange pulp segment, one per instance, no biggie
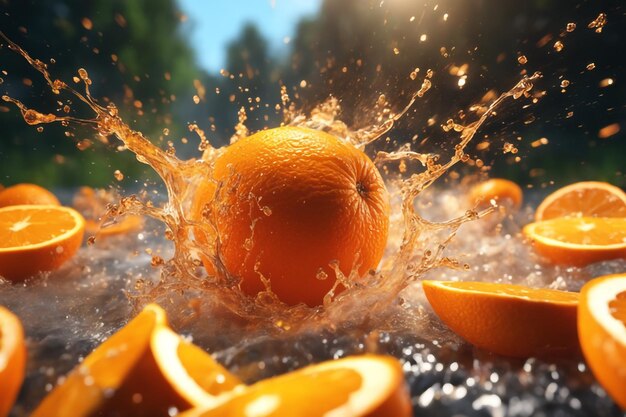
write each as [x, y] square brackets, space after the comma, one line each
[583, 199]
[12, 359]
[579, 240]
[145, 369]
[37, 238]
[510, 320]
[368, 385]
[602, 331]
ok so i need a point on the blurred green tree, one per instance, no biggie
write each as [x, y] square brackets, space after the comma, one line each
[136, 56]
[354, 50]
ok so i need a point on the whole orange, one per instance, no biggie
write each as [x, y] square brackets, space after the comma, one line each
[289, 202]
[21, 194]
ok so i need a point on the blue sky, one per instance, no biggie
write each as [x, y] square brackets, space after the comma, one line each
[212, 24]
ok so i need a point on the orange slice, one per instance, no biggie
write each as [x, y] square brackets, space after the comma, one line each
[37, 238]
[579, 241]
[145, 369]
[12, 359]
[583, 199]
[368, 385]
[21, 194]
[602, 330]
[510, 320]
[497, 189]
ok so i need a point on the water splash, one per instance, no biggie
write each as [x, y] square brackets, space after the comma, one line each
[182, 281]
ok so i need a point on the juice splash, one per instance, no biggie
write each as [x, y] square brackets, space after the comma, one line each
[418, 245]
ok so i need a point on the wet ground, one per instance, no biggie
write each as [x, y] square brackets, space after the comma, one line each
[74, 309]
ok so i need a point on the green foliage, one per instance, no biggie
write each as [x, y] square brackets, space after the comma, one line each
[134, 53]
[354, 50]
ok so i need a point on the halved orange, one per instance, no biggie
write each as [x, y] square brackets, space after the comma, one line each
[37, 238]
[583, 199]
[145, 369]
[498, 189]
[357, 386]
[602, 332]
[12, 359]
[510, 320]
[21, 194]
[579, 241]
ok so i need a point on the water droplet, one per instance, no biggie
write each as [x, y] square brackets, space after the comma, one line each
[84, 144]
[509, 148]
[321, 275]
[606, 82]
[608, 131]
[522, 59]
[598, 23]
[558, 46]
[82, 73]
[156, 260]
[87, 23]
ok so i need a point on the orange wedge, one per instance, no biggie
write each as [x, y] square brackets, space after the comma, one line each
[12, 359]
[583, 199]
[498, 190]
[602, 331]
[510, 320]
[93, 204]
[37, 238]
[145, 369]
[578, 241]
[21, 194]
[357, 386]
[126, 225]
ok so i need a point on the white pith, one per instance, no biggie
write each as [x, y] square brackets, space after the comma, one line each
[598, 298]
[166, 356]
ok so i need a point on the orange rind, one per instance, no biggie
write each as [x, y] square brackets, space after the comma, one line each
[286, 204]
[498, 190]
[22, 194]
[510, 320]
[145, 369]
[12, 359]
[602, 332]
[358, 386]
